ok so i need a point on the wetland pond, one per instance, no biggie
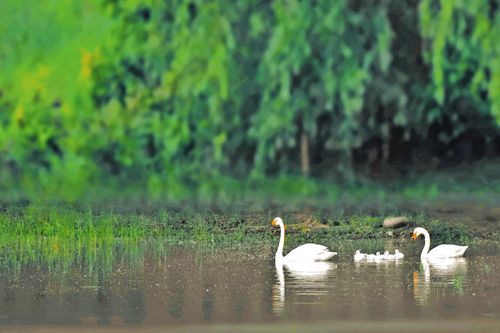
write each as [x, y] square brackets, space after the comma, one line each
[188, 288]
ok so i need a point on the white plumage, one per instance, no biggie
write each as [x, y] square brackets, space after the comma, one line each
[388, 256]
[358, 256]
[440, 251]
[398, 255]
[307, 252]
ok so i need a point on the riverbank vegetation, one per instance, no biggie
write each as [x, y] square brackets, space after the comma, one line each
[180, 95]
[78, 226]
[173, 120]
[61, 237]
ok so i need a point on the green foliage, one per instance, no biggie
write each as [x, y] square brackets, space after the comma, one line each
[175, 94]
[173, 91]
[446, 233]
[46, 53]
[462, 47]
[317, 64]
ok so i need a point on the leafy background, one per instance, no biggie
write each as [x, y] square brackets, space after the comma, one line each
[171, 96]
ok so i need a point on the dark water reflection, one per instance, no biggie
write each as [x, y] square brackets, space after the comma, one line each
[199, 285]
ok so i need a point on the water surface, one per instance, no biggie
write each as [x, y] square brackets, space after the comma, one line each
[189, 286]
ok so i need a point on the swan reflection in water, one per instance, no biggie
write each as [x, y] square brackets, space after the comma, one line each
[302, 278]
[445, 276]
[278, 303]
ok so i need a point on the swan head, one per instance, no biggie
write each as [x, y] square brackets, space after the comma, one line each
[277, 222]
[358, 252]
[396, 251]
[386, 253]
[417, 232]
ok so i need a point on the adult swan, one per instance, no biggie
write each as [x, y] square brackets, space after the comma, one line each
[440, 251]
[307, 252]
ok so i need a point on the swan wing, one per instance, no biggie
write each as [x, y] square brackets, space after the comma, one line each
[324, 256]
[447, 251]
[309, 252]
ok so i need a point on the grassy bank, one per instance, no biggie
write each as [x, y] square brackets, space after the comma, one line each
[84, 225]
[60, 238]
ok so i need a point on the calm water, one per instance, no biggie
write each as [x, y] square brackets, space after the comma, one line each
[186, 285]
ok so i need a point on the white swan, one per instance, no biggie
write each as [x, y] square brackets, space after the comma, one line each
[306, 252]
[388, 256]
[374, 257]
[440, 251]
[371, 257]
[398, 255]
[358, 256]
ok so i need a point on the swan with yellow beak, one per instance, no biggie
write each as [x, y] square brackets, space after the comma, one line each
[440, 251]
[305, 253]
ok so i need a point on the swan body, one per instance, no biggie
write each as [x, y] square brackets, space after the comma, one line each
[358, 256]
[398, 255]
[307, 252]
[388, 256]
[374, 257]
[440, 251]
[371, 257]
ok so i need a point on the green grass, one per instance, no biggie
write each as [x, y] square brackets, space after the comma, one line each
[458, 284]
[86, 226]
[61, 238]
[62, 231]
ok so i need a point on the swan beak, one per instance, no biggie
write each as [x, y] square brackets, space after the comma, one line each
[414, 236]
[273, 223]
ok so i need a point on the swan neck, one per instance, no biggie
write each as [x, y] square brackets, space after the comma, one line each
[279, 252]
[427, 245]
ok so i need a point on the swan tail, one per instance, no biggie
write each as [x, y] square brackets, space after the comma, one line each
[327, 255]
[462, 251]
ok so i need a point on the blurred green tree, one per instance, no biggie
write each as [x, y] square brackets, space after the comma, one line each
[186, 92]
